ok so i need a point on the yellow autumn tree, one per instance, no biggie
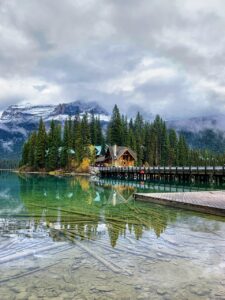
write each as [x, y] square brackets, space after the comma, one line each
[84, 166]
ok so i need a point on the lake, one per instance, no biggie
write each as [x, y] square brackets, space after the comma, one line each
[74, 238]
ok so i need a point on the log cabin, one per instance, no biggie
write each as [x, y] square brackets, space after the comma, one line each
[118, 156]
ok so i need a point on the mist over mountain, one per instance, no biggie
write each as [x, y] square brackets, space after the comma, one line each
[215, 122]
[206, 132]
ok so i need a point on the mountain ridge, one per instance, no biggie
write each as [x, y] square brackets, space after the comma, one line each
[17, 121]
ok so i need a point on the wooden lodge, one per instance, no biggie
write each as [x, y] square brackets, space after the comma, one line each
[117, 156]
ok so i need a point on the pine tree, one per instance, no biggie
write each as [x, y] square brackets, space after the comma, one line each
[93, 130]
[40, 150]
[25, 154]
[103, 146]
[86, 137]
[165, 145]
[151, 141]
[173, 152]
[99, 136]
[64, 159]
[183, 152]
[78, 143]
[114, 133]
[53, 147]
[124, 134]
[131, 139]
[70, 134]
[32, 146]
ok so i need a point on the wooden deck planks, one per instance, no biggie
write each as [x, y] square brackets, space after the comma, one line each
[212, 202]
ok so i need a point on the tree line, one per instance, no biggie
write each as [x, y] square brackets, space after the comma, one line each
[68, 146]
[155, 144]
[8, 164]
[63, 147]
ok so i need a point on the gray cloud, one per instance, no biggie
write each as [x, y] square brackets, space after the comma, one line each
[163, 56]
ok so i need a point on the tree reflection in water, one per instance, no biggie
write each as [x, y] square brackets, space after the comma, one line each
[77, 208]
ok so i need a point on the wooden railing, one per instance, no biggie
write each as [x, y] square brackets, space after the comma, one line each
[161, 169]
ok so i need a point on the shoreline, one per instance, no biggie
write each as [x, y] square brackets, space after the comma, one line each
[52, 173]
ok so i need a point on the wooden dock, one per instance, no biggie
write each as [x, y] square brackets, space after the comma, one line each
[206, 174]
[212, 202]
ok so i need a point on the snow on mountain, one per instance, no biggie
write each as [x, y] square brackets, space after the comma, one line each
[7, 145]
[17, 121]
[18, 114]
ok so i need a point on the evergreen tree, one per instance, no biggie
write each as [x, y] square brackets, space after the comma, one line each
[65, 146]
[114, 132]
[131, 139]
[173, 143]
[78, 140]
[86, 137]
[93, 130]
[103, 146]
[183, 155]
[149, 146]
[124, 126]
[53, 147]
[99, 136]
[32, 146]
[165, 145]
[40, 149]
[25, 154]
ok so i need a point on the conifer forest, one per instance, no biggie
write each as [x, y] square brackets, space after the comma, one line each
[69, 146]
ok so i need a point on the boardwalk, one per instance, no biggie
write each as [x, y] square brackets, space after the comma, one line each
[205, 174]
[212, 202]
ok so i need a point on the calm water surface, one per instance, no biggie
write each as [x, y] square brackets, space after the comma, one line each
[70, 238]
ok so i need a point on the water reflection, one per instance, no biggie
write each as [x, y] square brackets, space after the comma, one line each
[71, 238]
[77, 207]
[73, 208]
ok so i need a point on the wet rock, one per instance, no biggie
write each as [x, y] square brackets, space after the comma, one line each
[144, 296]
[51, 293]
[104, 289]
[33, 297]
[200, 291]
[69, 288]
[101, 276]
[74, 268]
[220, 294]
[138, 287]
[159, 254]
[22, 296]
[131, 266]
[67, 296]
[15, 290]
[161, 292]
[84, 261]
[67, 278]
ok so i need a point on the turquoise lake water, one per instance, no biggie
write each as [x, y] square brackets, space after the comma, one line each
[76, 238]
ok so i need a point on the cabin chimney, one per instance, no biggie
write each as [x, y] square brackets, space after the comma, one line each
[114, 151]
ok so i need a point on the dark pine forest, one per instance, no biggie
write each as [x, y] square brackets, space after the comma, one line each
[72, 147]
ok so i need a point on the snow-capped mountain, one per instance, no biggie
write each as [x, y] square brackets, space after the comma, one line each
[17, 121]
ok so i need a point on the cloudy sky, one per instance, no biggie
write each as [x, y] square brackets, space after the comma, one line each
[158, 56]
